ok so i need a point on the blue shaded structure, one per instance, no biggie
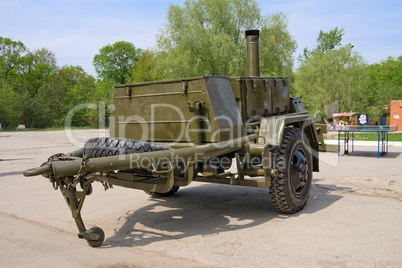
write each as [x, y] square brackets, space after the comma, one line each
[382, 134]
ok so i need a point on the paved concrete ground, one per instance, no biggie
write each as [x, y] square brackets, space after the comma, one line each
[353, 217]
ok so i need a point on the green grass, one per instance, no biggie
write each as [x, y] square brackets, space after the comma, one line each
[367, 136]
[46, 129]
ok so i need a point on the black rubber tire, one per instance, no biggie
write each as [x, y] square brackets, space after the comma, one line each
[290, 189]
[98, 231]
[101, 147]
[167, 194]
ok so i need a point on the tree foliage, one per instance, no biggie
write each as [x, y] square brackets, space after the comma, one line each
[206, 37]
[202, 37]
[277, 46]
[39, 67]
[332, 73]
[11, 56]
[326, 41]
[148, 68]
[385, 85]
[115, 62]
[10, 105]
[35, 92]
[335, 76]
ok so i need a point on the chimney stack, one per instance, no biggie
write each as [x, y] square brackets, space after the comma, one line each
[253, 53]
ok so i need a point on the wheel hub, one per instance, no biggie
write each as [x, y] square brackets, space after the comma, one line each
[299, 170]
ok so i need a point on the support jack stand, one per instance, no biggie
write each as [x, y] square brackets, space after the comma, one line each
[75, 199]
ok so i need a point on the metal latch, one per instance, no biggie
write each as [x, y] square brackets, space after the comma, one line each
[195, 105]
[129, 91]
[266, 82]
[184, 87]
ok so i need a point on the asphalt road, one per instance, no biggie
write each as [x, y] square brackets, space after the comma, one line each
[353, 217]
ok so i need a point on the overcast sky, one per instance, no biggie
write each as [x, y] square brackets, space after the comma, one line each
[76, 30]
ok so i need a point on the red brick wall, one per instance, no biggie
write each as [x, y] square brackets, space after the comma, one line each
[396, 114]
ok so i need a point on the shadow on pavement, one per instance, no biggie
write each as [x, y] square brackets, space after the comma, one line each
[372, 154]
[206, 210]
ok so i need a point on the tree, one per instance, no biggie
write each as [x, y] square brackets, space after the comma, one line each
[10, 105]
[47, 105]
[70, 87]
[147, 67]
[39, 67]
[336, 75]
[277, 47]
[385, 85]
[330, 40]
[22, 73]
[79, 88]
[206, 37]
[11, 56]
[325, 42]
[115, 63]
[34, 91]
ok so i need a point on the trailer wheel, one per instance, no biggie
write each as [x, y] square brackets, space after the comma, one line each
[290, 189]
[170, 193]
[101, 237]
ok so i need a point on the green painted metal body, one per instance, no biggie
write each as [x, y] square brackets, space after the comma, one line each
[165, 111]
